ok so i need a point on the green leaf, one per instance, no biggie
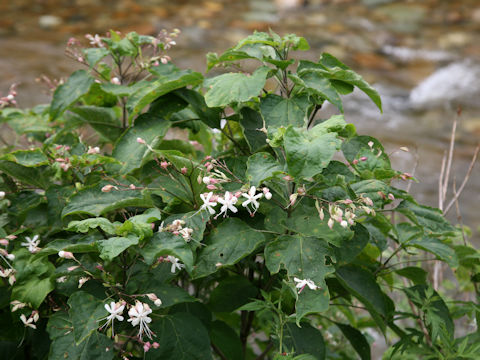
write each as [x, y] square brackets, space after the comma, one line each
[306, 155]
[127, 150]
[311, 302]
[260, 167]
[351, 248]
[226, 339]
[166, 243]
[209, 115]
[180, 336]
[304, 340]
[77, 85]
[102, 119]
[316, 84]
[227, 244]
[361, 284]
[357, 340]
[27, 158]
[169, 294]
[97, 346]
[112, 247]
[278, 111]
[94, 55]
[302, 257]
[438, 248]
[85, 311]
[84, 226]
[34, 278]
[431, 219]
[416, 274]
[92, 201]
[231, 293]
[252, 123]
[161, 86]
[37, 176]
[231, 88]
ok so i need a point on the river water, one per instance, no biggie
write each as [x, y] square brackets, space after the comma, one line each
[423, 57]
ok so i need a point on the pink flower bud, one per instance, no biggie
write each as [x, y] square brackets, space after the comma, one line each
[115, 80]
[391, 197]
[66, 254]
[4, 242]
[140, 141]
[156, 345]
[355, 162]
[164, 165]
[206, 180]
[132, 187]
[287, 178]
[238, 194]
[11, 237]
[107, 188]
[330, 223]
[183, 170]
[146, 346]
[363, 158]
[211, 187]
[71, 268]
[293, 199]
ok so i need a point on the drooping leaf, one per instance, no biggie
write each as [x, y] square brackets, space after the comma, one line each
[127, 150]
[304, 340]
[209, 115]
[230, 242]
[84, 226]
[357, 340]
[163, 84]
[348, 250]
[180, 336]
[316, 84]
[252, 124]
[311, 302]
[416, 274]
[308, 156]
[27, 158]
[114, 246]
[231, 88]
[66, 94]
[102, 119]
[437, 247]
[37, 176]
[361, 284]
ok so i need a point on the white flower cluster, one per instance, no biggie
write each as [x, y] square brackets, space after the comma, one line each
[138, 315]
[176, 227]
[228, 201]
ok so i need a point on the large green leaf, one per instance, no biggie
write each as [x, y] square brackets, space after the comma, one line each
[231, 293]
[37, 176]
[127, 150]
[94, 202]
[437, 247]
[311, 302]
[166, 243]
[77, 85]
[34, 278]
[165, 83]
[85, 311]
[226, 339]
[252, 123]
[348, 250]
[112, 247]
[102, 119]
[361, 284]
[94, 55]
[84, 226]
[230, 242]
[210, 116]
[357, 340]
[306, 155]
[304, 340]
[231, 88]
[97, 346]
[278, 111]
[431, 219]
[181, 336]
[27, 158]
[262, 166]
[316, 84]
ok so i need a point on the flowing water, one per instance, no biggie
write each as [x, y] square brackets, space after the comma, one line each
[423, 57]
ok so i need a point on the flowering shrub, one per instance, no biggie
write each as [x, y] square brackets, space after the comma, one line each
[261, 232]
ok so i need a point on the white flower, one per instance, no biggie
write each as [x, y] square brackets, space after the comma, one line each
[228, 201]
[139, 316]
[252, 199]
[29, 322]
[176, 264]
[115, 310]
[2, 194]
[17, 305]
[186, 234]
[32, 244]
[305, 282]
[207, 204]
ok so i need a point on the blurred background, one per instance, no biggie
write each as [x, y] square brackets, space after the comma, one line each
[422, 56]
